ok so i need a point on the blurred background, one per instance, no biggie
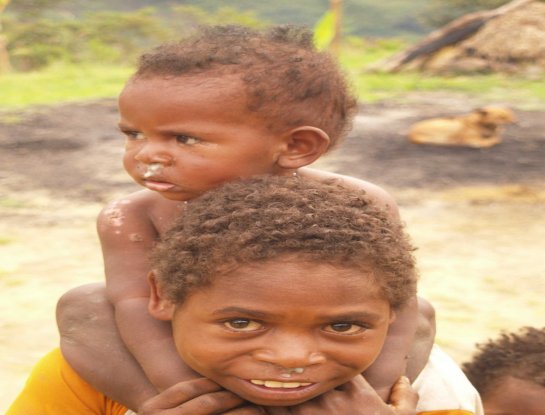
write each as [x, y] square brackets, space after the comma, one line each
[475, 214]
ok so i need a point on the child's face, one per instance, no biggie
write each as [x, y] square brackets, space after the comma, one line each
[196, 133]
[514, 396]
[249, 327]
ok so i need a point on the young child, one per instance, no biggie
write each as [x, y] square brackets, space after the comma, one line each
[226, 103]
[280, 292]
[509, 373]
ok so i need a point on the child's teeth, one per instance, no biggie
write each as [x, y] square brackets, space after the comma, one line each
[289, 385]
[276, 384]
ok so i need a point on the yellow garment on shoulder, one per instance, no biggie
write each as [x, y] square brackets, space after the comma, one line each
[53, 388]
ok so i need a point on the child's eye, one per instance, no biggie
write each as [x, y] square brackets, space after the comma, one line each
[134, 135]
[345, 328]
[186, 139]
[242, 324]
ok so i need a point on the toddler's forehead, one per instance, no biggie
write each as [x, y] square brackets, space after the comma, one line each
[206, 80]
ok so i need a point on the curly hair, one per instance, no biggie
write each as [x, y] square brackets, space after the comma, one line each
[520, 355]
[288, 82]
[272, 217]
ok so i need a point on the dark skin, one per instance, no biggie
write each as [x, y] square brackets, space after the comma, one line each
[178, 146]
[101, 327]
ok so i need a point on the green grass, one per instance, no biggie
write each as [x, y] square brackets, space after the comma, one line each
[64, 83]
[375, 86]
[61, 83]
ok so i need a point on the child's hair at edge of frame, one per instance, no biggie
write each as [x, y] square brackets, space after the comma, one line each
[266, 218]
[288, 82]
[520, 355]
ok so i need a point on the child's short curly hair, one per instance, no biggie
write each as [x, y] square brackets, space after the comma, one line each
[274, 217]
[520, 355]
[288, 82]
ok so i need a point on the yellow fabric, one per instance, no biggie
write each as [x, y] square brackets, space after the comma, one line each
[446, 412]
[53, 388]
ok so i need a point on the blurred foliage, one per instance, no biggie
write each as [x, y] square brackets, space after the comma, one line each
[324, 31]
[29, 9]
[111, 37]
[38, 33]
[41, 38]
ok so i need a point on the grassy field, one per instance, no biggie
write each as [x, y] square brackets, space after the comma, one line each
[60, 84]
[67, 83]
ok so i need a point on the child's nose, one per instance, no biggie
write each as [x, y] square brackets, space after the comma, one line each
[154, 153]
[290, 352]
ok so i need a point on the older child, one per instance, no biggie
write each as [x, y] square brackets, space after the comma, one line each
[226, 103]
[509, 373]
[280, 292]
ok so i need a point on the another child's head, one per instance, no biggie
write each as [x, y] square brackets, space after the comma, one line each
[509, 373]
[279, 288]
[266, 101]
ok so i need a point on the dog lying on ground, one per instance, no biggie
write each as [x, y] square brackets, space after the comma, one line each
[479, 129]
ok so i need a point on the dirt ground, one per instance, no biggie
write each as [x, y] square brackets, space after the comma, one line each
[477, 216]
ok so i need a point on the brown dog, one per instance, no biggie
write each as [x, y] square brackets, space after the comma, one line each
[479, 129]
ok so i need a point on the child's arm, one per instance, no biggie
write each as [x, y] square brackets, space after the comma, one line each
[392, 361]
[424, 339]
[88, 335]
[127, 234]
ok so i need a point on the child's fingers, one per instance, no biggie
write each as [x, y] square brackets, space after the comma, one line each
[210, 404]
[403, 397]
[198, 396]
[183, 391]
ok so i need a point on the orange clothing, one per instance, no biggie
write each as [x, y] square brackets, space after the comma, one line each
[53, 388]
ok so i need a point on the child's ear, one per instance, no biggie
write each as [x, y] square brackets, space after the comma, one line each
[159, 306]
[303, 146]
[392, 316]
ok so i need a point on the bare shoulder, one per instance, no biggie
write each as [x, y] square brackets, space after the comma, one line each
[378, 194]
[127, 212]
[137, 202]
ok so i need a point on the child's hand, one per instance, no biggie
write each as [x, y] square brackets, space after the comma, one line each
[357, 397]
[197, 397]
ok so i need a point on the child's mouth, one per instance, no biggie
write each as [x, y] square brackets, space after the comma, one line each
[158, 186]
[274, 384]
